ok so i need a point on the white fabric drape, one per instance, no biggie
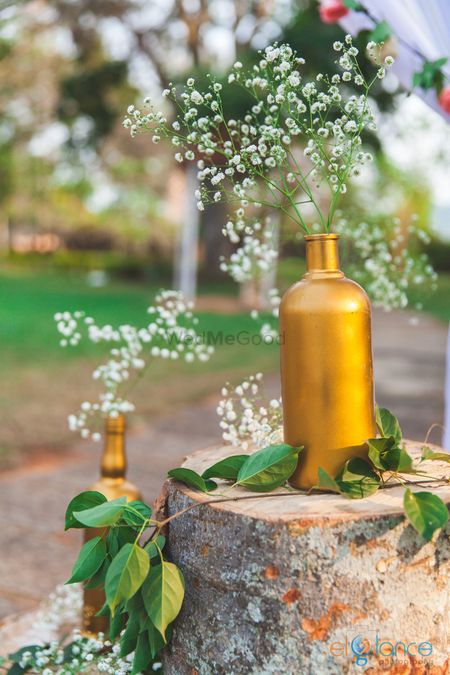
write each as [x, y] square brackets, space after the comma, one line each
[422, 25]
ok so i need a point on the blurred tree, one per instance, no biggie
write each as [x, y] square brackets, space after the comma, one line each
[68, 70]
[201, 37]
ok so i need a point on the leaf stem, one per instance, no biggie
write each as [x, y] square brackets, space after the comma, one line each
[294, 493]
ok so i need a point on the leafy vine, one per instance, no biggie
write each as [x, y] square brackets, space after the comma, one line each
[144, 591]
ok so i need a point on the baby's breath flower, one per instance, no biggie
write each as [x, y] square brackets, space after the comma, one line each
[248, 419]
[385, 275]
[243, 160]
[169, 333]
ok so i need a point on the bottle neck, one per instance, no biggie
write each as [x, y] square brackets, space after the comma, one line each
[322, 254]
[114, 461]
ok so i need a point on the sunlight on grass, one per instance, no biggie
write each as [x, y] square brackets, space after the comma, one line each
[38, 374]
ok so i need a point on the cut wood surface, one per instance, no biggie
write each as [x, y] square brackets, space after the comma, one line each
[316, 505]
[286, 584]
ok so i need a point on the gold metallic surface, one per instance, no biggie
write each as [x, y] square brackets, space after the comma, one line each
[326, 364]
[112, 484]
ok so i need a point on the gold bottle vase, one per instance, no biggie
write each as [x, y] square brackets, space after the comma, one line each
[326, 365]
[112, 484]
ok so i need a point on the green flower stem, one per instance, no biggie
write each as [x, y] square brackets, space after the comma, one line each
[291, 201]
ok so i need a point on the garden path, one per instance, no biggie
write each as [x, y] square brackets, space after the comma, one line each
[36, 554]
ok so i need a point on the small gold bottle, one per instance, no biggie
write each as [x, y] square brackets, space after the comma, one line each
[326, 365]
[112, 484]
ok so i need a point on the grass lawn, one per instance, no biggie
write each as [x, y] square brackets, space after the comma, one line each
[438, 303]
[42, 383]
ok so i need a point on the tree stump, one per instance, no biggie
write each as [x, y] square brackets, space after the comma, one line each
[303, 585]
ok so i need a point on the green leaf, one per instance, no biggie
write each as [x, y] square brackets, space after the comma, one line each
[152, 547]
[431, 75]
[135, 604]
[129, 639]
[155, 640]
[116, 625]
[417, 79]
[134, 607]
[142, 654]
[102, 515]
[353, 4]
[357, 480]
[118, 537]
[90, 558]
[377, 447]
[399, 460]
[268, 468]
[192, 479]
[326, 482]
[428, 453]
[17, 655]
[163, 594]
[126, 574]
[441, 62]
[388, 424]
[425, 511]
[104, 610]
[133, 518]
[15, 669]
[112, 541]
[385, 455]
[227, 468]
[98, 579]
[125, 535]
[85, 500]
[381, 32]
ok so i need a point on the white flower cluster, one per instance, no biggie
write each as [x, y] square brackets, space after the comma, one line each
[257, 252]
[247, 417]
[80, 655]
[274, 298]
[254, 161]
[392, 263]
[76, 653]
[170, 334]
[62, 608]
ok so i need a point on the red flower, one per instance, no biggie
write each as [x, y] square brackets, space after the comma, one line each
[444, 99]
[332, 10]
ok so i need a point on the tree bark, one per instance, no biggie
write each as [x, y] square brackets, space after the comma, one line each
[215, 244]
[287, 584]
[186, 262]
